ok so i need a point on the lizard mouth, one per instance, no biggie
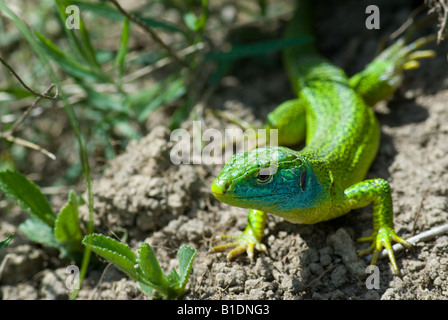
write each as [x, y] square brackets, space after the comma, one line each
[219, 189]
[222, 195]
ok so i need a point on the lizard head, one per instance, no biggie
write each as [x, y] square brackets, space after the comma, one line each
[276, 180]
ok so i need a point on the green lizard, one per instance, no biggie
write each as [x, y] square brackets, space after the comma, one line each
[324, 180]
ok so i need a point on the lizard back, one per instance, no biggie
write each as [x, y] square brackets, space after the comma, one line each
[341, 128]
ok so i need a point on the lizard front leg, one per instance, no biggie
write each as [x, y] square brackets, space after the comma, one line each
[377, 192]
[248, 240]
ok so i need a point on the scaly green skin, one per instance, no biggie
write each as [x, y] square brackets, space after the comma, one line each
[325, 179]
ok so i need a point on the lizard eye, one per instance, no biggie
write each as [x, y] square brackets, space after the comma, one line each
[264, 176]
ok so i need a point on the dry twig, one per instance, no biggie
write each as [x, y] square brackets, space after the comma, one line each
[10, 134]
[43, 96]
[441, 7]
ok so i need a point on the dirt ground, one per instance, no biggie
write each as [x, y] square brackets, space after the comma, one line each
[145, 196]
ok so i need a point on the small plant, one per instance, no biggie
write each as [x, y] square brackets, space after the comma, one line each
[61, 231]
[5, 242]
[145, 268]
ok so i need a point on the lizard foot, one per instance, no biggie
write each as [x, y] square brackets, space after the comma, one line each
[382, 239]
[245, 242]
[380, 79]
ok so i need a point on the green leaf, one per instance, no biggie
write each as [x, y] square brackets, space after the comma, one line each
[190, 21]
[27, 195]
[185, 256]
[149, 265]
[7, 162]
[5, 242]
[148, 289]
[39, 232]
[68, 63]
[67, 222]
[75, 200]
[194, 23]
[171, 285]
[174, 279]
[116, 252]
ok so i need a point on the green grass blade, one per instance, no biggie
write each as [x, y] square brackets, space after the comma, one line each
[173, 91]
[27, 195]
[116, 252]
[74, 41]
[68, 63]
[121, 55]
[100, 9]
[18, 93]
[259, 48]
[83, 46]
[106, 11]
[87, 44]
[25, 32]
[5, 242]
[203, 18]
[153, 23]
[182, 113]
[104, 102]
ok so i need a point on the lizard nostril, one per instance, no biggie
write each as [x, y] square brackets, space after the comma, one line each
[220, 187]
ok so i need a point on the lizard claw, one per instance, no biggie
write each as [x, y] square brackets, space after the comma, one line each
[382, 239]
[412, 53]
[243, 243]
